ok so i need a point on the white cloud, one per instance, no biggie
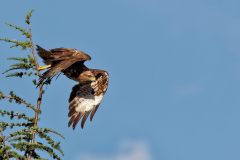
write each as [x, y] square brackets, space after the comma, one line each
[127, 150]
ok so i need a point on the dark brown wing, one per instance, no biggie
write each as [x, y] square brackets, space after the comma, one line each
[60, 59]
[44, 54]
[85, 99]
[81, 103]
[67, 53]
[75, 70]
[54, 70]
[59, 54]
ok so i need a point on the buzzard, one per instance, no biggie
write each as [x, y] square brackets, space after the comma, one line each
[87, 95]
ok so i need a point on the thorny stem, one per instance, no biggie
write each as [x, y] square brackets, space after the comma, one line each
[23, 102]
[39, 100]
[32, 48]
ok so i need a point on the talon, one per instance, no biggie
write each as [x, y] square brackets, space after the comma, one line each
[43, 67]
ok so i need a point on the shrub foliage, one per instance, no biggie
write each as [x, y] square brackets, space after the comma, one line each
[21, 137]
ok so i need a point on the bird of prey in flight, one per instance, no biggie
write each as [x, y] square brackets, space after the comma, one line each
[87, 95]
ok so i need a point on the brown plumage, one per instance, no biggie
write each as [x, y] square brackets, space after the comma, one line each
[85, 99]
[86, 96]
[66, 60]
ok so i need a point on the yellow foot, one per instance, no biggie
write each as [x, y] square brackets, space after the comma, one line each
[43, 67]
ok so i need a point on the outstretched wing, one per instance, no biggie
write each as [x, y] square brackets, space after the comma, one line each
[60, 54]
[68, 53]
[44, 54]
[60, 59]
[85, 99]
[55, 69]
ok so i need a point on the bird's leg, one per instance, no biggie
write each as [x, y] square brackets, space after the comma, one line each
[43, 67]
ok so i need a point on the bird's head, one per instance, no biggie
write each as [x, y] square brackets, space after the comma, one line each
[87, 77]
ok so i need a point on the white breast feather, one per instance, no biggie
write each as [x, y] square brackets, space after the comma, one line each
[88, 104]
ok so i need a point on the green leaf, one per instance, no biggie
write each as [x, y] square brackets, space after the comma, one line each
[14, 98]
[11, 125]
[16, 74]
[24, 64]
[23, 134]
[6, 152]
[25, 60]
[15, 114]
[19, 74]
[28, 16]
[23, 44]
[22, 30]
[50, 141]
[30, 147]
[29, 59]
[49, 130]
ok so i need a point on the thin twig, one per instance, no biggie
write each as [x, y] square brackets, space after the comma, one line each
[32, 49]
[23, 102]
[39, 100]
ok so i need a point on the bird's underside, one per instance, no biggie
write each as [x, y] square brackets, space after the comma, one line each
[85, 99]
[87, 95]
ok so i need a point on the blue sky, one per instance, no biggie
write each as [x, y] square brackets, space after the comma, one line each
[174, 90]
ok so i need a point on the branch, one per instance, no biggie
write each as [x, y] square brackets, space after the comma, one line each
[16, 43]
[39, 100]
[17, 100]
[30, 38]
[18, 115]
[26, 141]
[22, 30]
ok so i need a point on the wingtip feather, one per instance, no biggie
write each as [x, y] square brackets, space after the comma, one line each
[84, 119]
[79, 116]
